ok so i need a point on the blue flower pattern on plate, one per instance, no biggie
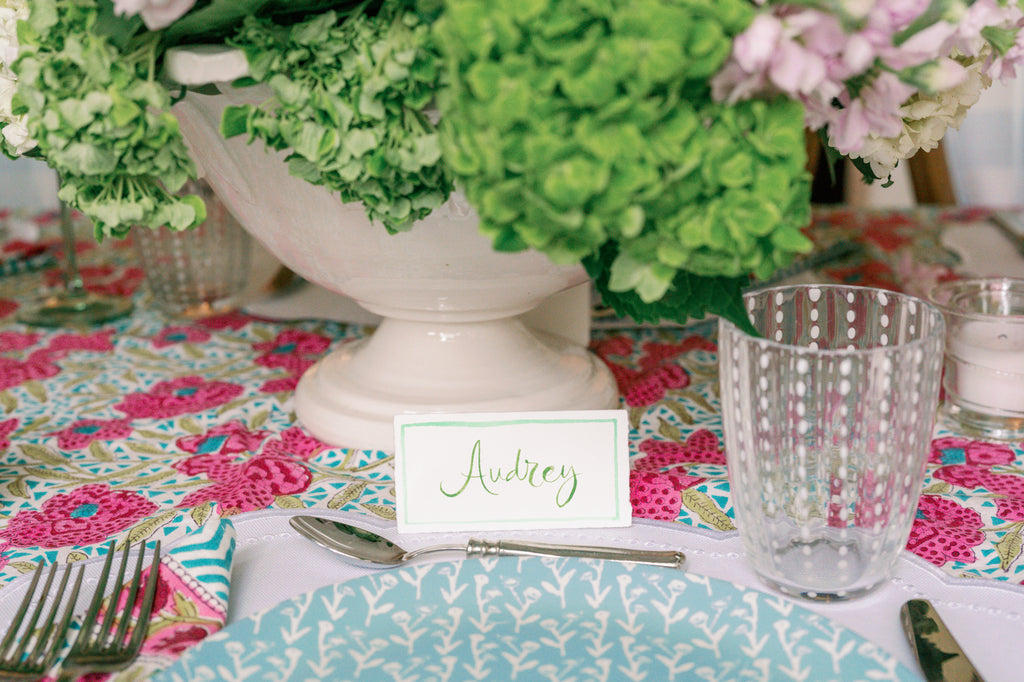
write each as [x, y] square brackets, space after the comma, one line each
[537, 619]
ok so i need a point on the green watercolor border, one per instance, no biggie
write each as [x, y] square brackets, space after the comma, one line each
[458, 423]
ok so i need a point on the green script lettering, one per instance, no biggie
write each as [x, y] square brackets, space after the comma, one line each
[524, 470]
[474, 458]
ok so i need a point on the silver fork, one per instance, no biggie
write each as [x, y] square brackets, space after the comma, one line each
[27, 653]
[103, 643]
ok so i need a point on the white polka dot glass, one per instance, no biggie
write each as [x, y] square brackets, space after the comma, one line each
[828, 419]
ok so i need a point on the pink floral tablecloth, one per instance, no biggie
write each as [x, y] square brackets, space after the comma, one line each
[151, 427]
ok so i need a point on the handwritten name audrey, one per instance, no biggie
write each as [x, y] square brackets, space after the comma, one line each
[534, 474]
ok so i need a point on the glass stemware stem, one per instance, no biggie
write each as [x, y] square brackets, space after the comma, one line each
[74, 305]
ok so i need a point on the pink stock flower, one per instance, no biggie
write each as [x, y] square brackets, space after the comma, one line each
[857, 77]
[180, 396]
[84, 431]
[85, 516]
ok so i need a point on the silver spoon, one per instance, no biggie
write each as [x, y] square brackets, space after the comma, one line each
[365, 548]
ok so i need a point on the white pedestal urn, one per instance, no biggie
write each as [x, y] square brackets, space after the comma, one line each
[451, 339]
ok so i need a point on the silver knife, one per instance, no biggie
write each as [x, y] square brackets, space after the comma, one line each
[939, 655]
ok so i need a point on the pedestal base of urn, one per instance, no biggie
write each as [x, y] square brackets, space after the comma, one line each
[350, 397]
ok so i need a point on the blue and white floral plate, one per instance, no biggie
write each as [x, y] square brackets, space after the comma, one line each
[536, 619]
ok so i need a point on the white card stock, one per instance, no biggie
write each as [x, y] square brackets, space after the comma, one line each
[520, 470]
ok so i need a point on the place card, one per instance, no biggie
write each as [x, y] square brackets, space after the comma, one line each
[519, 470]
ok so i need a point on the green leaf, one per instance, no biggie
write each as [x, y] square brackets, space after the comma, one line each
[18, 488]
[348, 494]
[1011, 546]
[235, 120]
[35, 389]
[706, 509]
[288, 502]
[144, 530]
[1001, 39]
[380, 510]
[8, 401]
[201, 513]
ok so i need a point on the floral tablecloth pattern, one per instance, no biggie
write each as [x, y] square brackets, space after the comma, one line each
[150, 426]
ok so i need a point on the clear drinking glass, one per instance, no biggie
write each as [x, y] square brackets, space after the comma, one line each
[984, 368]
[828, 419]
[201, 271]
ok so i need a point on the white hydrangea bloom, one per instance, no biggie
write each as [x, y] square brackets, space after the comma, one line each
[15, 132]
[926, 118]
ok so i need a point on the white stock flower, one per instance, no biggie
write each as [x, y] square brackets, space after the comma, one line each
[15, 132]
[16, 135]
[926, 118]
[10, 12]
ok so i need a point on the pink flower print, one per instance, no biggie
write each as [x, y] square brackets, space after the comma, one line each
[700, 447]
[285, 384]
[244, 486]
[293, 350]
[7, 428]
[290, 348]
[614, 345]
[233, 320]
[61, 345]
[640, 389]
[171, 398]
[85, 431]
[7, 306]
[944, 531]
[655, 495]
[952, 451]
[656, 375]
[229, 438]
[655, 354]
[217, 465]
[176, 639]
[12, 341]
[294, 443]
[967, 476]
[85, 516]
[172, 336]
[107, 280]
[16, 372]
[1010, 509]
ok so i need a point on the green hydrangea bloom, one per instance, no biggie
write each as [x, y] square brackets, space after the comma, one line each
[102, 120]
[586, 129]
